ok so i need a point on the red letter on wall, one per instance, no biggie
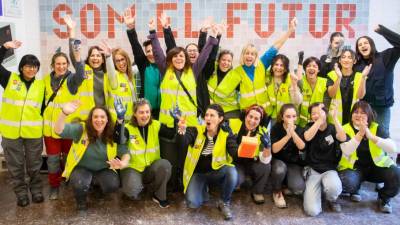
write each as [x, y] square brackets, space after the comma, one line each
[114, 15]
[161, 7]
[292, 8]
[340, 21]
[271, 20]
[57, 17]
[230, 19]
[188, 22]
[96, 21]
[325, 21]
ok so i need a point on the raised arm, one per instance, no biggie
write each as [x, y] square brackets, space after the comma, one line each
[205, 53]
[67, 109]
[111, 72]
[340, 133]
[4, 73]
[332, 90]
[168, 35]
[361, 89]
[391, 55]
[203, 33]
[281, 40]
[72, 42]
[158, 53]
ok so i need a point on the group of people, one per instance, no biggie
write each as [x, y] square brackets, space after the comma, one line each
[197, 122]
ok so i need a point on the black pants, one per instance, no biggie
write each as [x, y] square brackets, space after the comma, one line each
[259, 173]
[81, 179]
[352, 179]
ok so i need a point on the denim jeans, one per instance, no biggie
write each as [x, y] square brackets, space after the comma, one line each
[293, 174]
[383, 117]
[226, 178]
[318, 184]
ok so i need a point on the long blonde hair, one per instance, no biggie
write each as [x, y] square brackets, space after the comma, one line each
[120, 51]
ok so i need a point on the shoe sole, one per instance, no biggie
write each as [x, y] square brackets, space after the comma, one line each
[225, 218]
[156, 201]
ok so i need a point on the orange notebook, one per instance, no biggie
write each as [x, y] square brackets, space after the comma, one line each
[248, 147]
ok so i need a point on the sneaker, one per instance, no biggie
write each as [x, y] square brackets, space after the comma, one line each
[335, 206]
[384, 205]
[37, 198]
[161, 203]
[279, 200]
[53, 195]
[258, 198]
[23, 201]
[356, 197]
[225, 209]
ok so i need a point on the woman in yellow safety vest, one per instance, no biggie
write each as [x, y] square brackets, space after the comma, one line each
[283, 88]
[145, 166]
[120, 70]
[96, 86]
[210, 152]
[61, 86]
[92, 156]
[365, 157]
[313, 88]
[346, 86]
[21, 124]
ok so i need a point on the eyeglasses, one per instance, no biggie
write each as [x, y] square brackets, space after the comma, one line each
[120, 60]
[192, 51]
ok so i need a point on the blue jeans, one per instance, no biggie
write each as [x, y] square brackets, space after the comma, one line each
[226, 178]
[383, 117]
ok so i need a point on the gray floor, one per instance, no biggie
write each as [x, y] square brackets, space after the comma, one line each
[115, 210]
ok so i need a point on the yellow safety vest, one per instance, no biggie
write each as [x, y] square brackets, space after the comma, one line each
[78, 149]
[380, 158]
[236, 124]
[172, 94]
[53, 110]
[219, 156]
[127, 91]
[229, 103]
[143, 154]
[86, 94]
[311, 96]
[21, 109]
[338, 98]
[276, 100]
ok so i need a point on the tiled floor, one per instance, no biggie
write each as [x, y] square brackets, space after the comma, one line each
[115, 210]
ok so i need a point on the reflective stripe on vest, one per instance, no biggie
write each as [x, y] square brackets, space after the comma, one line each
[172, 94]
[126, 90]
[219, 156]
[21, 109]
[143, 154]
[380, 158]
[79, 148]
[311, 96]
[337, 101]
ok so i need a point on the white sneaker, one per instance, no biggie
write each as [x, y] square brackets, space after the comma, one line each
[279, 200]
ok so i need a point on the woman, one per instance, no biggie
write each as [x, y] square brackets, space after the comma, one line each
[120, 69]
[178, 91]
[209, 155]
[345, 85]
[145, 166]
[96, 85]
[250, 76]
[313, 88]
[283, 88]
[287, 152]
[92, 158]
[61, 86]
[322, 157]
[258, 166]
[21, 124]
[230, 104]
[365, 157]
[379, 84]
[333, 53]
